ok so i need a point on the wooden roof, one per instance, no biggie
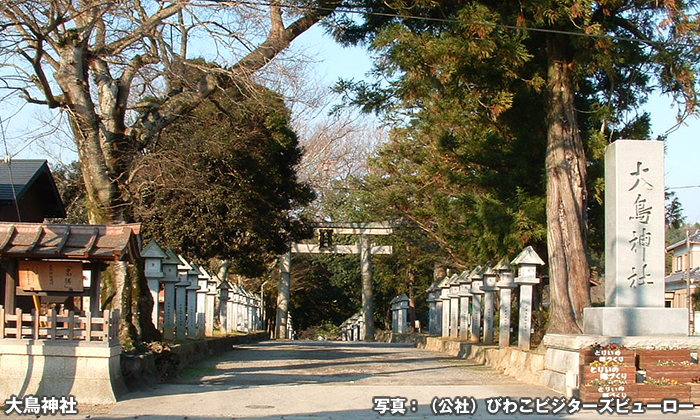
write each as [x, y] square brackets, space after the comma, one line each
[62, 241]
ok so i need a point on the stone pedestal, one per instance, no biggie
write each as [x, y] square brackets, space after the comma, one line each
[622, 321]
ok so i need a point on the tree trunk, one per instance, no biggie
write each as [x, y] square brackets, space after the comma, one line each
[367, 287]
[566, 198]
[411, 299]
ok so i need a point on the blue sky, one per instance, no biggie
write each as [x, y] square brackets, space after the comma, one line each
[682, 146]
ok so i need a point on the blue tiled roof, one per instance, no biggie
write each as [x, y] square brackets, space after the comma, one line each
[21, 173]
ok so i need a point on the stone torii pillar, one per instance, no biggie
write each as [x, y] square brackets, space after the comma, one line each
[285, 266]
[365, 249]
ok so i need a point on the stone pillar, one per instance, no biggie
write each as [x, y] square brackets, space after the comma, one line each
[465, 297]
[403, 305]
[367, 286]
[394, 314]
[209, 311]
[257, 319]
[634, 246]
[431, 309]
[454, 306]
[230, 312]
[193, 277]
[153, 256]
[477, 280]
[527, 262]
[200, 315]
[445, 300]
[223, 306]
[285, 266]
[181, 298]
[170, 278]
[505, 286]
[236, 299]
[438, 313]
[489, 288]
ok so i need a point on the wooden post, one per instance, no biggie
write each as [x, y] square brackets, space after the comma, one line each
[95, 287]
[53, 323]
[35, 323]
[2, 321]
[10, 284]
[88, 326]
[71, 326]
[18, 313]
[106, 329]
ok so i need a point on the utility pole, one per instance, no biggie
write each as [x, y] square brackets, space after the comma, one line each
[687, 281]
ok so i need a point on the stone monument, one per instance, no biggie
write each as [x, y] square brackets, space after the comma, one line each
[634, 246]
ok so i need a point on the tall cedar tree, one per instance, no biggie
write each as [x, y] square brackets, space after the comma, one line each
[561, 76]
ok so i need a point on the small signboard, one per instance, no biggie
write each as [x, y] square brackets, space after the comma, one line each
[52, 276]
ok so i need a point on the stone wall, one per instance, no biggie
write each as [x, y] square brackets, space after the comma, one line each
[526, 366]
[163, 363]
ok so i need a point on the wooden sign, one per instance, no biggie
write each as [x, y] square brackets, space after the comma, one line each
[56, 276]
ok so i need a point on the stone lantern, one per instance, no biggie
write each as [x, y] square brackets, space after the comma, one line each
[527, 262]
[505, 284]
[476, 282]
[490, 276]
[454, 306]
[183, 270]
[444, 286]
[223, 306]
[153, 256]
[192, 276]
[465, 295]
[432, 309]
[169, 279]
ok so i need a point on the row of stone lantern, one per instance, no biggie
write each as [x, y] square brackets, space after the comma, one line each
[353, 328]
[458, 302]
[189, 295]
[399, 314]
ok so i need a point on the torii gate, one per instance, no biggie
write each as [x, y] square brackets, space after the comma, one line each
[324, 231]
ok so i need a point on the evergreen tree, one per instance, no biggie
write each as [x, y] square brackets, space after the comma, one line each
[230, 190]
[549, 82]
